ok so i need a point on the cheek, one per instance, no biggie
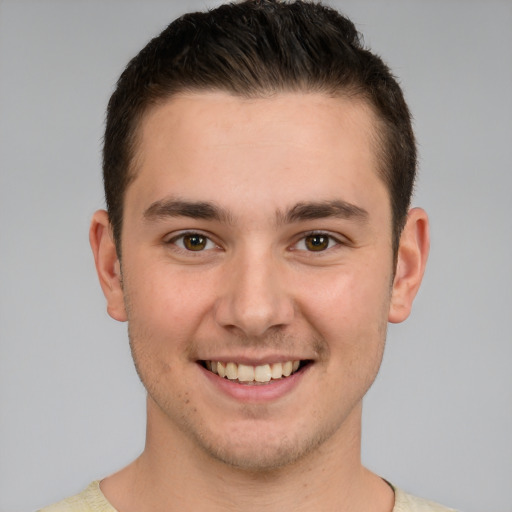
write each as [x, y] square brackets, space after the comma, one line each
[166, 306]
[344, 300]
[349, 312]
[164, 314]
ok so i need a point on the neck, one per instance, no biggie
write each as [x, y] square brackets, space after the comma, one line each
[174, 474]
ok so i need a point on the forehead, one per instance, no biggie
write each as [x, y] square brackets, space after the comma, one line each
[310, 114]
[208, 143]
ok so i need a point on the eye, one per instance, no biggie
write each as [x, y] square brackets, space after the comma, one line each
[316, 242]
[192, 242]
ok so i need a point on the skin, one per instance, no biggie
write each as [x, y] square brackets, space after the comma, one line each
[256, 293]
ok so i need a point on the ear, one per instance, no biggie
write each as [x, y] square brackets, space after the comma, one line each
[411, 261]
[107, 264]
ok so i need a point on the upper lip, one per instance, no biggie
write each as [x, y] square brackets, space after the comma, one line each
[254, 361]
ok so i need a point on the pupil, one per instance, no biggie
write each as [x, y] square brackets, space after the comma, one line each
[317, 242]
[195, 242]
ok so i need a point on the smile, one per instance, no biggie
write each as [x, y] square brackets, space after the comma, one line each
[247, 374]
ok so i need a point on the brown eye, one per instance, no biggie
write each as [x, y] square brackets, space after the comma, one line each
[316, 242]
[192, 241]
[195, 242]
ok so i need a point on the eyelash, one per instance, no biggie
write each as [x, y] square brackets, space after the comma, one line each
[210, 244]
[332, 242]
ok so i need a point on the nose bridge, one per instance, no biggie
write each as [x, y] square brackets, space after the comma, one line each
[254, 297]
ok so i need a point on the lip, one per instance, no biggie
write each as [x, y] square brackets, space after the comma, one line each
[259, 393]
[253, 360]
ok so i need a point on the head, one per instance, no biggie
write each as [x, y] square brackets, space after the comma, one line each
[258, 169]
[257, 49]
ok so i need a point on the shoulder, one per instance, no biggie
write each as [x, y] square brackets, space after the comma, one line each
[407, 503]
[89, 500]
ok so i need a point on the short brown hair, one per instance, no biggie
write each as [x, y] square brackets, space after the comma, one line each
[256, 48]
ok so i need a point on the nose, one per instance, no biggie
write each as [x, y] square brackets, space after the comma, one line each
[254, 297]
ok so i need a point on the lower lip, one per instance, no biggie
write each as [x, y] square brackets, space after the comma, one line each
[274, 390]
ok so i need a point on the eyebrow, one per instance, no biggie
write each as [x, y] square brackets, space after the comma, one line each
[324, 209]
[206, 210]
[171, 207]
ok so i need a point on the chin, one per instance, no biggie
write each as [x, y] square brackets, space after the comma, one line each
[258, 450]
[258, 458]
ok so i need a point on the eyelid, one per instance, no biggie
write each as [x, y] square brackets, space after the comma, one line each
[336, 237]
[171, 239]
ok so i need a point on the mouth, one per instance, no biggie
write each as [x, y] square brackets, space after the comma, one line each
[254, 375]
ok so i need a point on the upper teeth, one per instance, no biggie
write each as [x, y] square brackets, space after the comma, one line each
[247, 373]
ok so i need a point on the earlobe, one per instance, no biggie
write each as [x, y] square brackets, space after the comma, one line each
[107, 264]
[411, 261]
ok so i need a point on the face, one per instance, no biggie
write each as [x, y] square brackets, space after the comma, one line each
[257, 273]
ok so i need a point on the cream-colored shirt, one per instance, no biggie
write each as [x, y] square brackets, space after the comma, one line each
[93, 500]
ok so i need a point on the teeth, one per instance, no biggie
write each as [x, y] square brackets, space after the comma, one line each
[246, 373]
[232, 371]
[277, 370]
[262, 373]
[287, 368]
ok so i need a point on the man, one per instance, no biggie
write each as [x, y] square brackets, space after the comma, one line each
[258, 169]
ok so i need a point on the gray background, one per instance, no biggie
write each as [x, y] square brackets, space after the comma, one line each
[438, 421]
